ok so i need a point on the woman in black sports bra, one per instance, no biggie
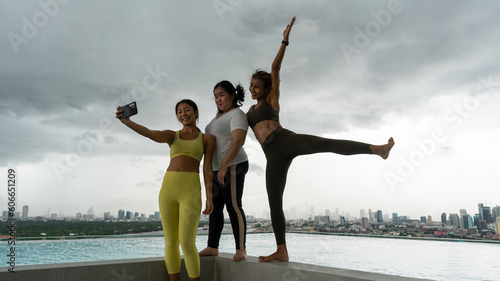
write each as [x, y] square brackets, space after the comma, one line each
[281, 146]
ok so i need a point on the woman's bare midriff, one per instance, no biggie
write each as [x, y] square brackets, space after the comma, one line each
[184, 163]
[264, 128]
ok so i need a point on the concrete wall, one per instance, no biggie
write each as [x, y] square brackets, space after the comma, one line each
[220, 268]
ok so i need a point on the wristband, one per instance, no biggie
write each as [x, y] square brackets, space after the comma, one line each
[284, 42]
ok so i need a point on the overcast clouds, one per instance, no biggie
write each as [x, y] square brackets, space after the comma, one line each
[425, 73]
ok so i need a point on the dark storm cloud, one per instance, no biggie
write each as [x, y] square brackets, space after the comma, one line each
[91, 54]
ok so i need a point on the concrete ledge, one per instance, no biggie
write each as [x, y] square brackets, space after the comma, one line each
[220, 268]
[145, 269]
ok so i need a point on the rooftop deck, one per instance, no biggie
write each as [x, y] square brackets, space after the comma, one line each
[220, 268]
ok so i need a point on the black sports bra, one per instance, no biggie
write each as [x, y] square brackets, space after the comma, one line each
[264, 112]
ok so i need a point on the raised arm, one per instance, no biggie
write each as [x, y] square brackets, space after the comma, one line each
[209, 145]
[273, 97]
[166, 136]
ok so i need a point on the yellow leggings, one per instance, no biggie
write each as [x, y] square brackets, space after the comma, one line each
[180, 206]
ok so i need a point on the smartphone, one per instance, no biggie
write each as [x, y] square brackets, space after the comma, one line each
[128, 110]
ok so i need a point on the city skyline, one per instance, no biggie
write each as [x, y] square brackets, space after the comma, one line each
[289, 213]
[420, 72]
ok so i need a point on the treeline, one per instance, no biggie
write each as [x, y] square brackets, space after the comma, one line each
[79, 228]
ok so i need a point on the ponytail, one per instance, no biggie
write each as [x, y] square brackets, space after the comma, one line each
[239, 96]
[238, 92]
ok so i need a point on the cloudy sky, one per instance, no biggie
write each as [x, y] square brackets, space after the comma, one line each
[426, 74]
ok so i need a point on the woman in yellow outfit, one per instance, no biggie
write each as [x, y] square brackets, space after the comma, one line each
[180, 194]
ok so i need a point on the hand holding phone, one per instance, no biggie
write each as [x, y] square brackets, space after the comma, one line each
[128, 110]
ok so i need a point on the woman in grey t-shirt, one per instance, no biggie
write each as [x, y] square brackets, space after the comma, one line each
[230, 165]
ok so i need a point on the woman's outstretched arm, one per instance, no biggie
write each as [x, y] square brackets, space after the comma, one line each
[273, 97]
[166, 136]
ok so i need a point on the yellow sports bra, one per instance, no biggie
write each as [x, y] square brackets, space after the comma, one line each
[191, 148]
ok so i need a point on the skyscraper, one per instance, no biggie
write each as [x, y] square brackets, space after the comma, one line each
[480, 207]
[107, 216]
[463, 212]
[25, 212]
[487, 215]
[496, 212]
[121, 215]
[362, 213]
[443, 218]
[380, 217]
[395, 218]
[455, 220]
[342, 220]
[364, 222]
[467, 221]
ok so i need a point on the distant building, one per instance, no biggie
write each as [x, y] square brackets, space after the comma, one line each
[463, 212]
[422, 219]
[477, 218]
[364, 222]
[395, 218]
[443, 218]
[496, 213]
[455, 220]
[480, 207]
[321, 219]
[487, 215]
[362, 213]
[429, 220]
[467, 221]
[107, 216]
[342, 220]
[380, 217]
[121, 215]
[24, 216]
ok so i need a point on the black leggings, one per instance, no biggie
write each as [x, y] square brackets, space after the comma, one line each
[281, 147]
[228, 194]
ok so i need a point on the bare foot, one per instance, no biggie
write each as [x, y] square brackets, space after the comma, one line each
[383, 150]
[209, 251]
[240, 255]
[281, 255]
